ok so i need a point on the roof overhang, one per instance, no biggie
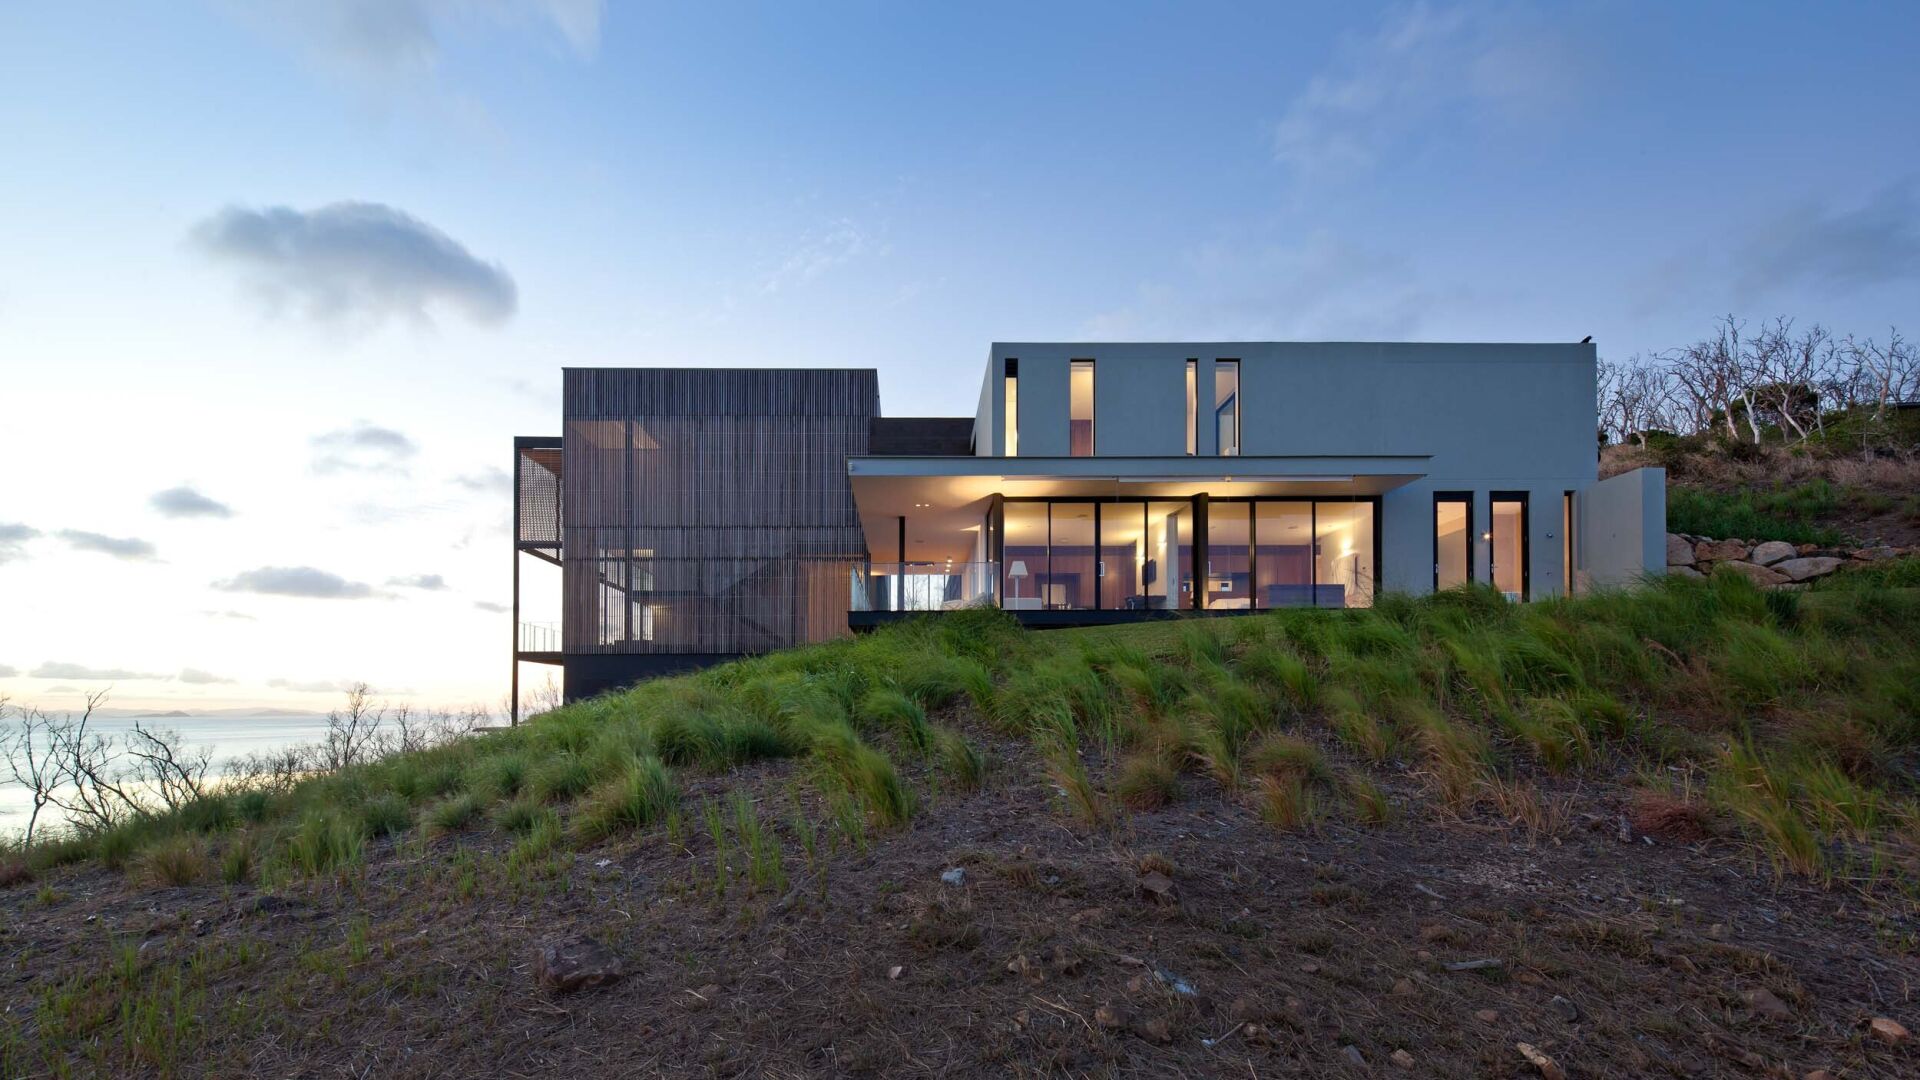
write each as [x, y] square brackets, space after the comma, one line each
[944, 499]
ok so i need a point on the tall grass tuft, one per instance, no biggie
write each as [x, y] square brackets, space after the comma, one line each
[325, 841]
[961, 762]
[1147, 781]
[643, 794]
[890, 710]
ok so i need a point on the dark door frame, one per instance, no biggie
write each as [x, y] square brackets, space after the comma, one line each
[1526, 538]
[1433, 523]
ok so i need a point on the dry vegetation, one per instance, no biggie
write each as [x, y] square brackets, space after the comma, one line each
[1669, 832]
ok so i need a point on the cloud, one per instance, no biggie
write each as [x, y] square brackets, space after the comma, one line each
[130, 548]
[839, 243]
[356, 264]
[385, 42]
[491, 479]
[428, 582]
[312, 686]
[184, 502]
[1832, 250]
[201, 678]
[229, 615]
[54, 669]
[303, 581]
[1420, 68]
[8, 671]
[490, 606]
[363, 447]
[13, 540]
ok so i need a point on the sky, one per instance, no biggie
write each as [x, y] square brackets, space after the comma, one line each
[280, 279]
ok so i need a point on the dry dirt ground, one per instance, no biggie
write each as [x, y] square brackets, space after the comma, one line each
[1325, 952]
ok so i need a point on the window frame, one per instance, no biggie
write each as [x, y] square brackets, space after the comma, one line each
[1433, 525]
[1526, 539]
[1010, 407]
[1093, 389]
[1238, 432]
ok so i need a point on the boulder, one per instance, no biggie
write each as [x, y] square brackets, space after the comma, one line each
[1875, 554]
[1759, 575]
[1685, 571]
[1719, 551]
[1772, 552]
[1811, 566]
[1679, 551]
[576, 964]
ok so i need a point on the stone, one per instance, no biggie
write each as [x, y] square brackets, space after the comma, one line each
[955, 876]
[1353, 1056]
[1819, 1074]
[1487, 1016]
[1567, 1009]
[1888, 1031]
[1763, 1002]
[1876, 553]
[1772, 552]
[1679, 551]
[576, 964]
[1157, 887]
[1803, 569]
[1791, 586]
[1549, 1068]
[1684, 571]
[1156, 1029]
[1110, 1017]
[1719, 551]
[1759, 575]
[1401, 1058]
[1404, 988]
[894, 972]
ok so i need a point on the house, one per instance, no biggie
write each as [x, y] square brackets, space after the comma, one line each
[696, 515]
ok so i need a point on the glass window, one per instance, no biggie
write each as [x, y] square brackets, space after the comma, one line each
[1283, 557]
[1452, 541]
[1193, 407]
[1023, 558]
[1080, 407]
[1343, 554]
[1229, 583]
[1566, 544]
[1071, 570]
[1123, 555]
[1168, 574]
[1509, 544]
[1226, 407]
[1010, 408]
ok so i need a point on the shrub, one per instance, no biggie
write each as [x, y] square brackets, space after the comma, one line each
[176, 860]
[1147, 782]
[643, 794]
[1286, 803]
[521, 814]
[562, 777]
[452, 814]
[499, 776]
[325, 841]
[253, 805]
[385, 815]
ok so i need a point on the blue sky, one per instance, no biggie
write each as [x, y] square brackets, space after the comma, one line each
[186, 301]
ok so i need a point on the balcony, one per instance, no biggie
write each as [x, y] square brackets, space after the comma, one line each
[922, 586]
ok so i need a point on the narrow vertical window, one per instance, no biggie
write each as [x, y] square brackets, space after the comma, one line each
[1010, 408]
[1566, 544]
[1226, 407]
[1452, 539]
[1193, 407]
[1080, 408]
[1508, 540]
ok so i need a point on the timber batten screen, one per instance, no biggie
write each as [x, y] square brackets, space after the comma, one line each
[709, 511]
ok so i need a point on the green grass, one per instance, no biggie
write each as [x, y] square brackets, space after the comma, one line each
[642, 794]
[1790, 514]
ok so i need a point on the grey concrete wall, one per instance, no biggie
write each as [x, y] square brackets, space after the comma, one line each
[1623, 529]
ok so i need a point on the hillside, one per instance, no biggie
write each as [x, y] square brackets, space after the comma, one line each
[1671, 832]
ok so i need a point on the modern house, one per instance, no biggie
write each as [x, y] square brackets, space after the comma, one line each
[701, 514]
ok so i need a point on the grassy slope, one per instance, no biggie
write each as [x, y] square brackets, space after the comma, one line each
[1703, 708]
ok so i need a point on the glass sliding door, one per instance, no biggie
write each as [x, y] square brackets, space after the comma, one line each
[1229, 574]
[1167, 578]
[1283, 554]
[1072, 568]
[1509, 544]
[1080, 408]
[1123, 555]
[1343, 554]
[1023, 559]
[1452, 540]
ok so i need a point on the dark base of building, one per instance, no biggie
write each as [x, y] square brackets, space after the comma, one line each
[591, 674]
[861, 622]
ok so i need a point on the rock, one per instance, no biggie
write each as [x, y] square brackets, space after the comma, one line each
[1888, 1031]
[1487, 1016]
[1875, 554]
[1065, 961]
[1812, 566]
[576, 964]
[1157, 887]
[1679, 551]
[1684, 571]
[1309, 967]
[1110, 1017]
[1819, 1074]
[1719, 551]
[1773, 551]
[1023, 965]
[1759, 575]
[1154, 1029]
[1764, 1003]
[1791, 586]
[955, 876]
[1549, 1068]
[894, 972]
[1474, 965]
[1567, 1009]
[1401, 1058]
[1718, 931]
[1353, 1056]
[1404, 988]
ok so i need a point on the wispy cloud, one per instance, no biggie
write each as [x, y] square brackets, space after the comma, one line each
[129, 548]
[356, 264]
[301, 581]
[240, 615]
[8, 671]
[312, 686]
[185, 502]
[197, 677]
[1422, 67]
[818, 252]
[362, 447]
[384, 43]
[491, 479]
[55, 669]
[1833, 250]
[427, 582]
[490, 606]
[13, 540]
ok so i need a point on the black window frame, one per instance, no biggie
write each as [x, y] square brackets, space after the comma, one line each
[1433, 525]
[1526, 538]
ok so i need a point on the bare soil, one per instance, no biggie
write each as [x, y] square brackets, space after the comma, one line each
[1613, 952]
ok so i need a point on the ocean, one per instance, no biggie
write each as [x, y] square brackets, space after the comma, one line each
[230, 737]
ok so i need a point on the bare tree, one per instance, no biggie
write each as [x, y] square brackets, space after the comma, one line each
[92, 783]
[164, 766]
[354, 734]
[1891, 373]
[29, 752]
